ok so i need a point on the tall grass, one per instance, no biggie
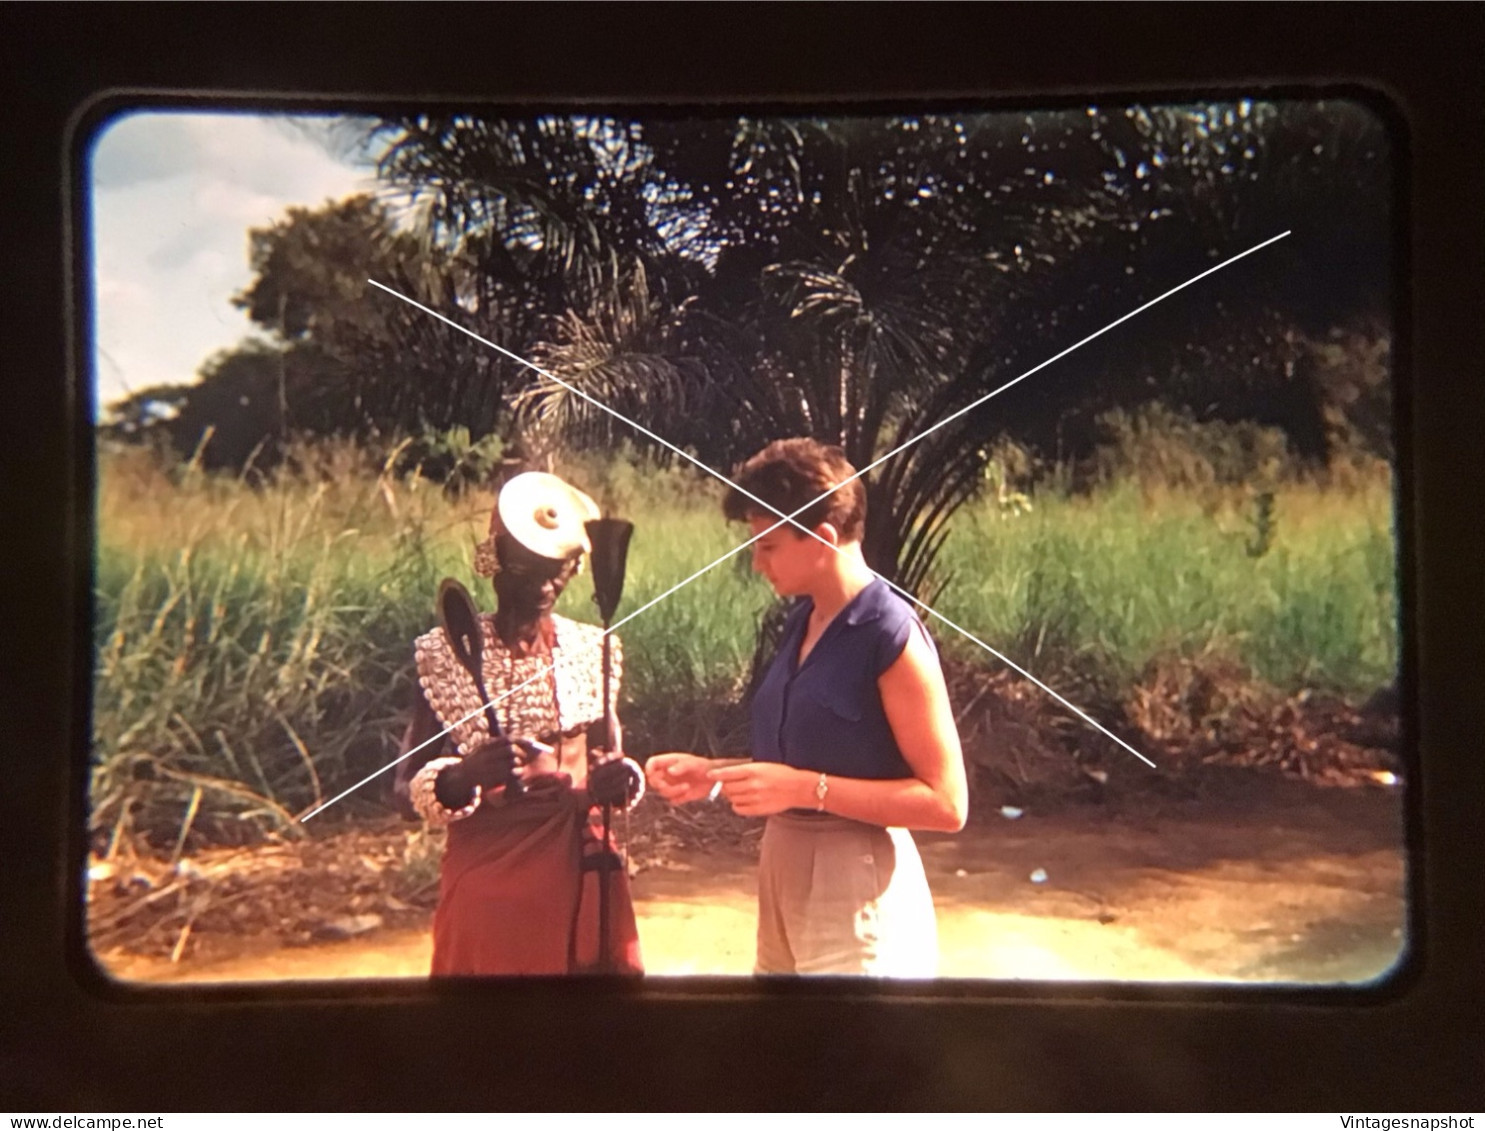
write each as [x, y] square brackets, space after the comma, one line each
[254, 645]
[1113, 580]
[246, 642]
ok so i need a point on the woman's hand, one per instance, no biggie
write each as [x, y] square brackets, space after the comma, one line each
[679, 777]
[761, 789]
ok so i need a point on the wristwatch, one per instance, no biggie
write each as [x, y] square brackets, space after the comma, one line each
[822, 787]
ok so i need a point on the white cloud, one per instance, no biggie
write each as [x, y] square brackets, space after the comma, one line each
[174, 195]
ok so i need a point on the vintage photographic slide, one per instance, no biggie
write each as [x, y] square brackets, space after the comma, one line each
[947, 543]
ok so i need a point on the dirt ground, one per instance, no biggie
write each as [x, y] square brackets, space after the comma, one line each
[1274, 881]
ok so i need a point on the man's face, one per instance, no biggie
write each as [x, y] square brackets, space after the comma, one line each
[528, 581]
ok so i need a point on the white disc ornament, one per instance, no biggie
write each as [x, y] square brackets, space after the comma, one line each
[546, 515]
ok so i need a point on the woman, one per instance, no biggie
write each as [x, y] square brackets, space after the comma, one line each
[518, 884]
[853, 739]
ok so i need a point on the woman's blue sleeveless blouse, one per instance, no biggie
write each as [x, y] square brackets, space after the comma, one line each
[826, 715]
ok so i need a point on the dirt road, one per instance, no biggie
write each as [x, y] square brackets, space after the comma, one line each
[1295, 886]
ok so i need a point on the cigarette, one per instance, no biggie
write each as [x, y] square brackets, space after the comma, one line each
[716, 791]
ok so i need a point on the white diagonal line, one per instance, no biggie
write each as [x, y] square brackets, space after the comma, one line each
[404, 757]
[661, 440]
[612, 628]
[976, 403]
[998, 655]
[876, 462]
[457, 723]
[1012, 664]
[790, 518]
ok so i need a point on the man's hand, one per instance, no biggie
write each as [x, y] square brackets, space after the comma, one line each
[760, 789]
[618, 782]
[491, 764]
[679, 777]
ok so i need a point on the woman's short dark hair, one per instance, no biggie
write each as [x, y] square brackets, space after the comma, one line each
[788, 474]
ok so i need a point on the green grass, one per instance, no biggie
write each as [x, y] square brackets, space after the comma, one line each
[1124, 578]
[256, 645]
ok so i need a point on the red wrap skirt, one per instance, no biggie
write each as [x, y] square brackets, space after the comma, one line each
[515, 896]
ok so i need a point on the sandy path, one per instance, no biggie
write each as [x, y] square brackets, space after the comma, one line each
[1271, 900]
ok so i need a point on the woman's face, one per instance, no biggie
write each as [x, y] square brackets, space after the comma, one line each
[790, 559]
[528, 582]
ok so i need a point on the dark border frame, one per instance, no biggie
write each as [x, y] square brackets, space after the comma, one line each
[99, 113]
[535, 1048]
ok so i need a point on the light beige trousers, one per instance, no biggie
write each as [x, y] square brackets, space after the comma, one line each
[842, 897]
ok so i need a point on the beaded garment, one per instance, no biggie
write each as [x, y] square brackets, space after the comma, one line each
[532, 695]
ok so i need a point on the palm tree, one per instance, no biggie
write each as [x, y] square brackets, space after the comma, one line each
[731, 281]
[846, 315]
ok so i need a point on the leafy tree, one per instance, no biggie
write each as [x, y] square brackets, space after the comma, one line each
[233, 414]
[399, 369]
[871, 278]
[337, 356]
[730, 280]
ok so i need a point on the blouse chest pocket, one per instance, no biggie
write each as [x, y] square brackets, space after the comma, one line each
[835, 704]
[822, 729]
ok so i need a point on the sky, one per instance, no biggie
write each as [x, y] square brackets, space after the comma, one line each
[174, 197]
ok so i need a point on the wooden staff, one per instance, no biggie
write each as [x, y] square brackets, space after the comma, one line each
[610, 540]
